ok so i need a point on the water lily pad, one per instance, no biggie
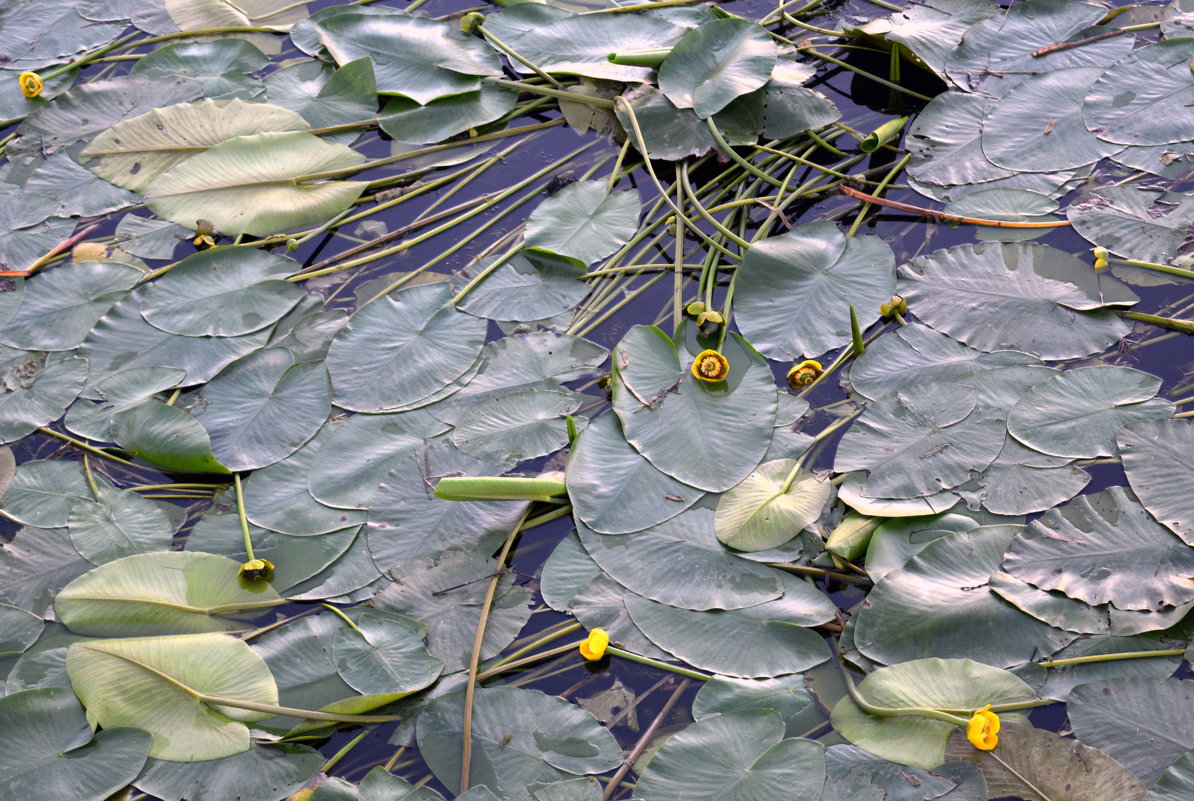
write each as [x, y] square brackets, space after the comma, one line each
[223, 291]
[167, 592]
[49, 33]
[118, 523]
[157, 684]
[60, 307]
[223, 66]
[528, 286]
[37, 392]
[934, 29]
[35, 564]
[669, 132]
[412, 56]
[521, 425]
[1016, 295]
[385, 655]
[1177, 782]
[939, 604]
[1104, 548]
[249, 184]
[120, 391]
[263, 408]
[165, 436]
[709, 435]
[1143, 99]
[583, 221]
[402, 348]
[51, 753]
[1077, 413]
[945, 141]
[1154, 458]
[687, 545]
[768, 639]
[716, 62]
[761, 513]
[1135, 222]
[793, 291]
[851, 493]
[926, 683]
[550, 739]
[261, 773]
[734, 756]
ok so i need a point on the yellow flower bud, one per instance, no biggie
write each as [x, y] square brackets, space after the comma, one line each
[983, 729]
[594, 647]
[804, 374]
[695, 309]
[710, 366]
[256, 570]
[31, 84]
[1100, 258]
[897, 305]
[470, 22]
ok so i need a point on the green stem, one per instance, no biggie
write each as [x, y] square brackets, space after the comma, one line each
[486, 272]
[887, 179]
[514, 664]
[643, 660]
[84, 446]
[340, 614]
[1165, 322]
[343, 752]
[1083, 660]
[724, 147]
[900, 711]
[1161, 268]
[828, 430]
[521, 59]
[291, 712]
[244, 520]
[704, 214]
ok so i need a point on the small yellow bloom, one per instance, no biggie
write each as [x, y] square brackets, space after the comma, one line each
[983, 730]
[804, 374]
[256, 570]
[1101, 255]
[31, 84]
[593, 648]
[710, 366]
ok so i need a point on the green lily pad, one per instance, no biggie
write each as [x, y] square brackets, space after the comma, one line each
[261, 773]
[120, 391]
[324, 96]
[51, 753]
[933, 29]
[1134, 222]
[60, 307]
[222, 66]
[1154, 459]
[945, 141]
[157, 684]
[530, 285]
[760, 513]
[669, 132]
[19, 628]
[38, 391]
[385, 655]
[165, 436]
[521, 425]
[1143, 98]
[716, 62]
[402, 348]
[37, 563]
[583, 221]
[118, 523]
[793, 291]
[735, 756]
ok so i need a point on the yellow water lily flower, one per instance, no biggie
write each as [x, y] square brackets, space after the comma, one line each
[804, 374]
[31, 84]
[594, 647]
[983, 729]
[256, 570]
[710, 366]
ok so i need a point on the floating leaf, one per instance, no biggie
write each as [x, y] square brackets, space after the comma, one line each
[735, 756]
[35, 564]
[48, 753]
[165, 436]
[583, 221]
[716, 62]
[914, 740]
[60, 307]
[37, 392]
[794, 291]
[118, 523]
[529, 286]
[223, 66]
[402, 348]
[385, 655]
[442, 118]
[159, 684]
[945, 141]
[250, 184]
[120, 391]
[669, 132]
[1154, 457]
[262, 772]
[167, 592]
[762, 513]
[1143, 98]
[933, 29]
[1134, 222]
[523, 425]
[325, 96]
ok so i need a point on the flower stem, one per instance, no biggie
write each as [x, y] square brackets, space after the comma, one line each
[643, 660]
[244, 521]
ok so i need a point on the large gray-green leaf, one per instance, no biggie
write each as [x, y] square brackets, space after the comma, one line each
[420, 58]
[1144, 99]
[1037, 126]
[735, 756]
[939, 604]
[223, 291]
[446, 594]
[263, 773]
[118, 392]
[958, 684]
[529, 286]
[223, 66]
[153, 683]
[325, 96]
[1032, 761]
[854, 772]
[1144, 723]
[48, 753]
[402, 348]
[945, 142]
[793, 291]
[669, 132]
[263, 408]
[1135, 222]
[35, 35]
[999, 51]
[167, 437]
[1018, 296]
[36, 393]
[934, 28]
[118, 523]
[920, 440]
[250, 184]
[716, 62]
[386, 654]
[1155, 458]
[168, 592]
[1177, 782]
[519, 737]
[442, 118]
[614, 489]
[43, 492]
[686, 545]
[709, 435]
[35, 564]
[1105, 548]
[523, 425]
[122, 339]
[583, 221]
[1077, 413]
[769, 639]
[762, 513]
[60, 307]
